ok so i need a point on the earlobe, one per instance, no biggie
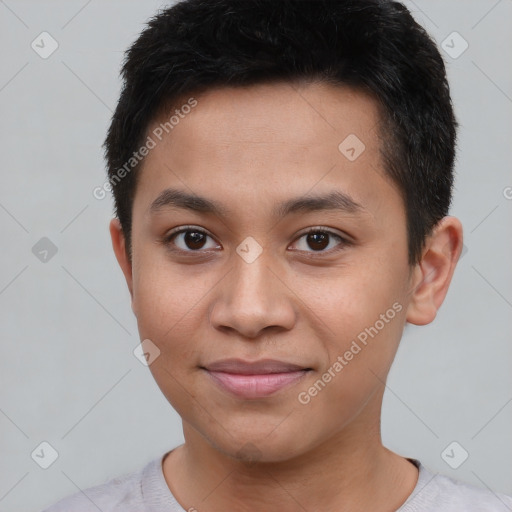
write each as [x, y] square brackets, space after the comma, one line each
[119, 246]
[432, 275]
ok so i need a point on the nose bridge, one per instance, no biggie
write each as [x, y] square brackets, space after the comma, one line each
[252, 298]
[253, 282]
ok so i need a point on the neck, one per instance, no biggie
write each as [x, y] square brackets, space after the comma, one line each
[349, 471]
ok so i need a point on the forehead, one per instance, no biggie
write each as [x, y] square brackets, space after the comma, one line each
[256, 143]
[281, 112]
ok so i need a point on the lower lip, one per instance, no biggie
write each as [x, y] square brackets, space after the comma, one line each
[255, 386]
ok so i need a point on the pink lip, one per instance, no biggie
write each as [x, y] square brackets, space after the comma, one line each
[254, 379]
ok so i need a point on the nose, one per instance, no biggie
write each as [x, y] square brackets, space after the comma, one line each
[253, 297]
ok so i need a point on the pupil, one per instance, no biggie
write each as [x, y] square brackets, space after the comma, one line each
[193, 239]
[318, 241]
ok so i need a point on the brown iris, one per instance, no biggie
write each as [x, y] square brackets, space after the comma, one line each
[194, 239]
[318, 240]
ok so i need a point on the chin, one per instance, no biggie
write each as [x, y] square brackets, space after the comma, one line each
[260, 447]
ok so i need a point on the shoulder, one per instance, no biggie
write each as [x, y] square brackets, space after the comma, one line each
[458, 494]
[122, 493]
[441, 493]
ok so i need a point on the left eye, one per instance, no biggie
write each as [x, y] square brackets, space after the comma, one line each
[319, 240]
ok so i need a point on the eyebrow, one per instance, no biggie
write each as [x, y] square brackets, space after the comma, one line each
[335, 200]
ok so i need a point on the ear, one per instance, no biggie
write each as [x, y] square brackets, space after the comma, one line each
[119, 246]
[431, 277]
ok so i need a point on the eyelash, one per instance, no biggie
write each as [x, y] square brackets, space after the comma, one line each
[344, 242]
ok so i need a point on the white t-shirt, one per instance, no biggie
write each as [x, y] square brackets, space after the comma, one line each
[146, 490]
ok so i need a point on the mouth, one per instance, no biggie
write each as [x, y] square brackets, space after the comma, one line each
[258, 379]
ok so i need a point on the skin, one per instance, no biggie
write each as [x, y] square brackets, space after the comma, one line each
[251, 149]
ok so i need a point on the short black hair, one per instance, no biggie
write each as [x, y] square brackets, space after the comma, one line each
[374, 46]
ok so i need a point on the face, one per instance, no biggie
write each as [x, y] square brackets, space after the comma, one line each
[277, 297]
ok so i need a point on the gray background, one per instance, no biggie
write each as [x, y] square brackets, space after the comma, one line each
[68, 373]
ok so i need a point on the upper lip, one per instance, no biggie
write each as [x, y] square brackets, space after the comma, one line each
[261, 367]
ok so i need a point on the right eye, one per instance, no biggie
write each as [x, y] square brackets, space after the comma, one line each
[188, 239]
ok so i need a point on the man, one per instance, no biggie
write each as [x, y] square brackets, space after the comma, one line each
[282, 175]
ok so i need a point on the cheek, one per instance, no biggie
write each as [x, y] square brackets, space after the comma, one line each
[168, 300]
[359, 360]
[364, 317]
[169, 309]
